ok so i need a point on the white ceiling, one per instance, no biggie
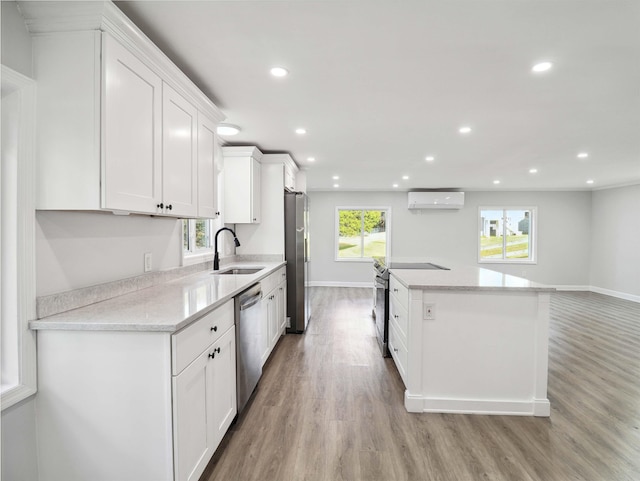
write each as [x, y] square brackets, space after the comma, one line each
[379, 85]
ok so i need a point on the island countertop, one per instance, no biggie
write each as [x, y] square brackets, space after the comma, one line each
[461, 277]
[165, 308]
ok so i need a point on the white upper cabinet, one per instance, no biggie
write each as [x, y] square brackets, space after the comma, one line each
[179, 155]
[207, 168]
[289, 168]
[119, 126]
[242, 185]
[132, 118]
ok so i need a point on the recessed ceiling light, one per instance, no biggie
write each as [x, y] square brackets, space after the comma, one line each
[582, 155]
[279, 71]
[227, 129]
[405, 177]
[395, 185]
[311, 159]
[464, 130]
[336, 185]
[496, 182]
[301, 131]
[336, 177]
[533, 171]
[429, 158]
[541, 67]
[590, 181]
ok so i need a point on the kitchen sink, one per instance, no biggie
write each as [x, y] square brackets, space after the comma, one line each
[239, 270]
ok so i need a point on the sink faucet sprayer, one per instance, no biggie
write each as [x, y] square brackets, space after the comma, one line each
[216, 261]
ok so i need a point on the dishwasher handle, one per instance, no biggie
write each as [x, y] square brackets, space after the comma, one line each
[251, 301]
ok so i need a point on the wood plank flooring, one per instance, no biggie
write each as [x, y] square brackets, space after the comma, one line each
[329, 407]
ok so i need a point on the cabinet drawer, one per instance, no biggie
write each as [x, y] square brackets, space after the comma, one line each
[398, 351]
[270, 282]
[188, 344]
[400, 317]
[398, 291]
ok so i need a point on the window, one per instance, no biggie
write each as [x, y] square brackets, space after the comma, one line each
[197, 237]
[17, 238]
[361, 233]
[507, 235]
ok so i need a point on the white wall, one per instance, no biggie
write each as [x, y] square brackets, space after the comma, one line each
[564, 223]
[615, 256]
[80, 249]
[19, 449]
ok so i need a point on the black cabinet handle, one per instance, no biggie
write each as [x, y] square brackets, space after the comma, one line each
[160, 205]
[213, 354]
[169, 207]
[217, 213]
[395, 350]
[396, 316]
[254, 219]
[214, 328]
[395, 290]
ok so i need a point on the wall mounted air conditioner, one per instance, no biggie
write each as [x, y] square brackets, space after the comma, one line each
[436, 200]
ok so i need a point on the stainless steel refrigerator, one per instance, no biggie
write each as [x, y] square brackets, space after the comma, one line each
[296, 248]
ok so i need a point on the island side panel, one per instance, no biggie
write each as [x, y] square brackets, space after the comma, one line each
[481, 353]
[104, 405]
[542, 407]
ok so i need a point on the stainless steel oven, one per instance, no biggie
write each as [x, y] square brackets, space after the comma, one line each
[381, 304]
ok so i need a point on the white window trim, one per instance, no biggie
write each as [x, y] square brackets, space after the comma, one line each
[533, 230]
[198, 255]
[337, 232]
[25, 256]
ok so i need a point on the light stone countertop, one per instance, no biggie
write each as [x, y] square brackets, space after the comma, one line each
[166, 308]
[464, 278]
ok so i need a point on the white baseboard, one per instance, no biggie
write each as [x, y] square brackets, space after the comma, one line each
[619, 295]
[535, 407]
[599, 290]
[572, 288]
[339, 284]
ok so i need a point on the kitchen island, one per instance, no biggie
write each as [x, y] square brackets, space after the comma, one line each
[470, 340]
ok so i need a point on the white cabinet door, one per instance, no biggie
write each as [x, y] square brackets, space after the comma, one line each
[207, 169]
[255, 191]
[192, 407]
[242, 190]
[179, 155]
[282, 307]
[224, 385]
[132, 117]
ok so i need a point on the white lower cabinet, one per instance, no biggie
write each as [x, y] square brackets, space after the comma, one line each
[204, 405]
[273, 311]
[135, 405]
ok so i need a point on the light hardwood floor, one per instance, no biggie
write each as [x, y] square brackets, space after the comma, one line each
[329, 407]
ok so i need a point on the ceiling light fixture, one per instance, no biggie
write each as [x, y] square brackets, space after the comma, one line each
[301, 131]
[590, 181]
[311, 159]
[496, 182]
[395, 185]
[336, 177]
[533, 171]
[429, 158]
[582, 155]
[405, 177]
[541, 67]
[227, 129]
[279, 71]
[336, 185]
[464, 130]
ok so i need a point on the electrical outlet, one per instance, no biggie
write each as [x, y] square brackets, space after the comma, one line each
[429, 312]
[147, 261]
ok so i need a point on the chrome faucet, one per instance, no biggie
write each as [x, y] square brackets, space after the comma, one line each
[216, 260]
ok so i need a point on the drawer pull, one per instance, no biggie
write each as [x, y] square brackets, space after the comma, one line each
[396, 316]
[213, 354]
[395, 290]
[395, 349]
[214, 328]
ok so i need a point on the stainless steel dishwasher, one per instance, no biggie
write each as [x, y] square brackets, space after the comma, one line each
[248, 353]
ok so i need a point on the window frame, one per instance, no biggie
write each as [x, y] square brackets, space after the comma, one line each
[25, 278]
[336, 241]
[196, 255]
[533, 233]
